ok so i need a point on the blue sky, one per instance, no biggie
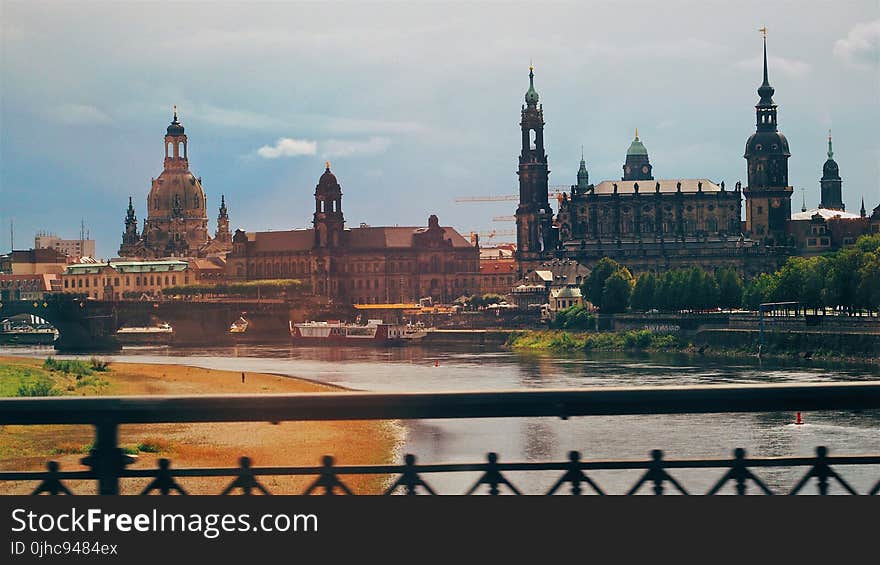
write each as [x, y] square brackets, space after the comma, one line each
[414, 104]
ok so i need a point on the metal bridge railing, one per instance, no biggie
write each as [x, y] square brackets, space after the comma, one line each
[107, 462]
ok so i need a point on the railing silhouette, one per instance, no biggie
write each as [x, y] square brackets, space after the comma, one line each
[107, 462]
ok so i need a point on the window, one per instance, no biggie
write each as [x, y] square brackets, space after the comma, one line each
[824, 241]
[65, 283]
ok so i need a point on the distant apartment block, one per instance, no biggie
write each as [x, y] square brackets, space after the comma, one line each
[73, 248]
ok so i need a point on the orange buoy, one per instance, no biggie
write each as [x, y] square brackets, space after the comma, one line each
[799, 419]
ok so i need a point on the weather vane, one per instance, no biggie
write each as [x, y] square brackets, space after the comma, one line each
[763, 31]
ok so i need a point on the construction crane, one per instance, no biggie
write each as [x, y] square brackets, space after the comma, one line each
[555, 191]
[489, 234]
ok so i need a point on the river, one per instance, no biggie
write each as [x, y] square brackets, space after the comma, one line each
[534, 439]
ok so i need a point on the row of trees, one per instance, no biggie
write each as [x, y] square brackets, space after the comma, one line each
[848, 279]
[250, 289]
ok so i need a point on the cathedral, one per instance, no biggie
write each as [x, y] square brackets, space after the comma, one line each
[177, 211]
[651, 224]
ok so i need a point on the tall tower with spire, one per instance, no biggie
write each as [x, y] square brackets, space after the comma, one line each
[637, 166]
[831, 183]
[768, 194]
[534, 217]
[177, 218]
[583, 177]
[328, 219]
[130, 237]
[223, 235]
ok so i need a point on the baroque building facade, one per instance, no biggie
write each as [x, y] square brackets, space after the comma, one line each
[654, 225]
[362, 265]
[177, 210]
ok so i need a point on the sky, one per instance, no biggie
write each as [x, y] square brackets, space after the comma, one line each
[414, 103]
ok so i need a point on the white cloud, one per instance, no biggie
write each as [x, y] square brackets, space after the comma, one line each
[789, 67]
[861, 46]
[345, 148]
[288, 147]
[78, 114]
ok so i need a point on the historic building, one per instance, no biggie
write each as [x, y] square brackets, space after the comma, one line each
[828, 227]
[768, 194]
[535, 236]
[653, 225]
[177, 210]
[363, 265]
[115, 280]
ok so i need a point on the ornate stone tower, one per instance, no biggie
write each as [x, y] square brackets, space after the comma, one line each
[130, 238]
[177, 220]
[768, 195]
[583, 177]
[222, 235]
[328, 219]
[534, 216]
[637, 166]
[831, 183]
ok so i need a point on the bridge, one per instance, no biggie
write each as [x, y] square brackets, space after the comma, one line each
[107, 464]
[92, 325]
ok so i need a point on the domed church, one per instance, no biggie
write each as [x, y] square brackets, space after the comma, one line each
[177, 210]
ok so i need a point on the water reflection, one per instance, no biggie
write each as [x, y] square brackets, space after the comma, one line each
[598, 437]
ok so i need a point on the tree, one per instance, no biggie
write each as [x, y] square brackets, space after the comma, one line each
[842, 283]
[868, 293]
[643, 295]
[730, 288]
[595, 284]
[761, 289]
[574, 318]
[616, 293]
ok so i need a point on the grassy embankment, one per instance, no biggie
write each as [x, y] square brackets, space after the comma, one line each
[779, 345]
[187, 445]
[565, 341]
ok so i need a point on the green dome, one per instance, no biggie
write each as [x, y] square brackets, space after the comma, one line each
[531, 93]
[636, 147]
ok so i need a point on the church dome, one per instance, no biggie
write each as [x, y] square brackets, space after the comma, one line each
[181, 185]
[767, 143]
[175, 128]
[636, 147]
[830, 169]
[328, 178]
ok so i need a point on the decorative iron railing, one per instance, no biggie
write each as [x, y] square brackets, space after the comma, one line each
[107, 462]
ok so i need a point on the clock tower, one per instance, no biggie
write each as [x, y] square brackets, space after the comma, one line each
[637, 166]
[768, 194]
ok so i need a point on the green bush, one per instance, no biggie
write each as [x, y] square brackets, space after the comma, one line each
[70, 366]
[38, 388]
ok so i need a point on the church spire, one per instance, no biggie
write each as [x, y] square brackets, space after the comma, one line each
[863, 213]
[583, 177]
[531, 93]
[830, 150]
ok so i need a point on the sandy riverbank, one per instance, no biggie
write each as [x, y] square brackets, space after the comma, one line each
[199, 445]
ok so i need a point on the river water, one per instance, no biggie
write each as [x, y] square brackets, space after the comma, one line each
[421, 368]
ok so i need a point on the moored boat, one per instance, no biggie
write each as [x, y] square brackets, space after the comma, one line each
[374, 332]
